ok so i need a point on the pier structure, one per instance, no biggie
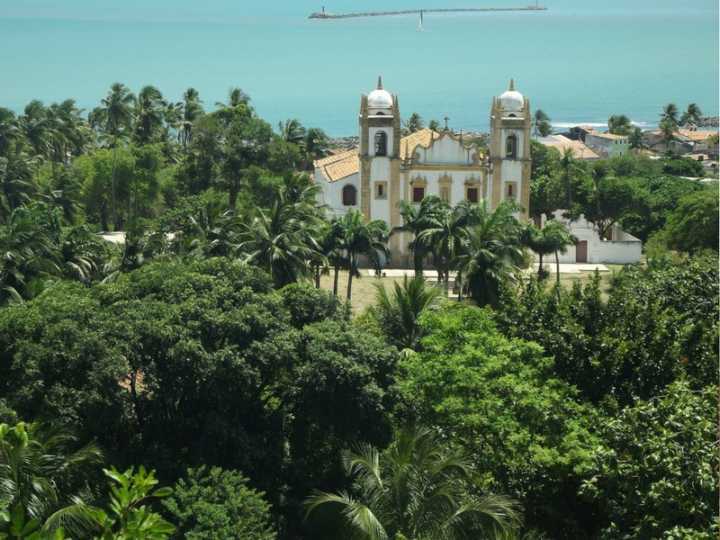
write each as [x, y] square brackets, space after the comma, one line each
[326, 15]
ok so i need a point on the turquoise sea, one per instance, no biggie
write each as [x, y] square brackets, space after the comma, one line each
[580, 61]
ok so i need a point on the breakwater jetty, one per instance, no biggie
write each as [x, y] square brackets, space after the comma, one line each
[327, 15]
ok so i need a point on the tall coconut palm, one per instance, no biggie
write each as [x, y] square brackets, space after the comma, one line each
[443, 235]
[667, 132]
[282, 239]
[82, 254]
[29, 252]
[399, 312]
[558, 239]
[35, 128]
[17, 185]
[34, 462]
[292, 131]
[569, 167]
[315, 146]
[417, 489]
[114, 117]
[148, 114]
[413, 123]
[541, 124]
[9, 131]
[361, 238]
[492, 255]
[416, 218]
[236, 96]
[692, 115]
[636, 140]
[535, 238]
[192, 110]
[670, 114]
[333, 249]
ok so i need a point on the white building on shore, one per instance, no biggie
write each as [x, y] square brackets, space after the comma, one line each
[388, 168]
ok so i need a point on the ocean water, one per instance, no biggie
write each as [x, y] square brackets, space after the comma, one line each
[580, 61]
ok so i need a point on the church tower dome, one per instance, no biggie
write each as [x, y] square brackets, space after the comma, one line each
[511, 100]
[380, 98]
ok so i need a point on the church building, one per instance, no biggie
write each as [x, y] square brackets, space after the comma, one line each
[388, 168]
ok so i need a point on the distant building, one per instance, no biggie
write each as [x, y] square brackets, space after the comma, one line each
[619, 248]
[387, 168]
[579, 149]
[687, 141]
[578, 133]
[608, 144]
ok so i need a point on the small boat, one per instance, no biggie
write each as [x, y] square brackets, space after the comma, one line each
[420, 25]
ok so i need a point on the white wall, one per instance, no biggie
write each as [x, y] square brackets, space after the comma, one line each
[625, 249]
[331, 192]
[445, 150]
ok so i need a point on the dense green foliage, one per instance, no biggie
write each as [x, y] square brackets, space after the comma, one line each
[635, 192]
[417, 488]
[655, 474]
[657, 325]
[520, 424]
[213, 504]
[198, 346]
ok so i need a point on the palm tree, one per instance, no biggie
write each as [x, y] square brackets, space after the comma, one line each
[83, 255]
[29, 252]
[541, 124]
[619, 124]
[333, 249]
[148, 114]
[536, 239]
[360, 238]
[492, 255]
[416, 218]
[191, 110]
[398, 313]
[667, 131]
[413, 124]
[692, 115]
[316, 145]
[236, 96]
[443, 235]
[434, 125]
[35, 128]
[292, 131]
[636, 139]
[282, 239]
[114, 117]
[9, 130]
[17, 185]
[670, 114]
[569, 166]
[558, 239]
[416, 489]
[34, 461]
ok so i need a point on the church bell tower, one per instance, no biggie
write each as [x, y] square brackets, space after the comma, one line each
[379, 152]
[510, 123]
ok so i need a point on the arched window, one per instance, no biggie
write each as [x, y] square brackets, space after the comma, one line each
[349, 195]
[511, 147]
[381, 143]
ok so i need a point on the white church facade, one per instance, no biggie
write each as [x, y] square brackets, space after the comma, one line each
[388, 168]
